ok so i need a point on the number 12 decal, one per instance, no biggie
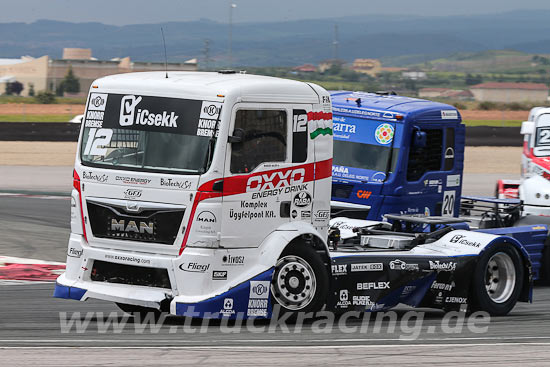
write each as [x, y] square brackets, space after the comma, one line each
[448, 203]
[96, 139]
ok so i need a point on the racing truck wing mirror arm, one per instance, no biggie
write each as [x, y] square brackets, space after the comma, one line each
[237, 137]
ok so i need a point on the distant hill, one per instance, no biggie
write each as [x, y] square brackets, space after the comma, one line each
[397, 40]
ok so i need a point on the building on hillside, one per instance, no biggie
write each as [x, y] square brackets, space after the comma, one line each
[445, 93]
[431, 92]
[327, 64]
[510, 92]
[45, 73]
[367, 66]
[306, 68]
[414, 75]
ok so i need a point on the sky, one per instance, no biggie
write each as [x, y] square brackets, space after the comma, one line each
[123, 12]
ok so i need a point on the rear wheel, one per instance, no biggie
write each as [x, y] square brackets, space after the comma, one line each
[300, 280]
[497, 280]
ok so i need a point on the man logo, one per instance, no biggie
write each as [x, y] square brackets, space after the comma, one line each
[206, 217]
[127, 110]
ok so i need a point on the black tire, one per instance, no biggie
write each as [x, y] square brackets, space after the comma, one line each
[288, 276]
[140, 311]
[544, 278]
[485, 299]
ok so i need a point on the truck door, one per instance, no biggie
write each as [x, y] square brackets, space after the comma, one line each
[267, 178]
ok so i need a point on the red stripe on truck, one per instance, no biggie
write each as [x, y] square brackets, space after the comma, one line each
[259, 181]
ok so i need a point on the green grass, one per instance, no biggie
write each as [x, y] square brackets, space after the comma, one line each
[36, 118]
[32, 100]
[496, 123]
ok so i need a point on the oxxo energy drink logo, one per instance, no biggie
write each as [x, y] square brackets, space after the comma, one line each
[384, 134]
[130, 114]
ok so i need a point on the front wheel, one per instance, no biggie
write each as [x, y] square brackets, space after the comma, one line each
[498, 279]
[300, 280]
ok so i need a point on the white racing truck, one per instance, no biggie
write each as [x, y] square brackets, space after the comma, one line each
[208, 195]
[533, 188]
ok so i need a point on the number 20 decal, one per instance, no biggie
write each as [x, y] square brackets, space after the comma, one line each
[448, 203]
[97, 140]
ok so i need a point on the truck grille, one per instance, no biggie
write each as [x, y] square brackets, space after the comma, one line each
[103, 271]
[151, 225]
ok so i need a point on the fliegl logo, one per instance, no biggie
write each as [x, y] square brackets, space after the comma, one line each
[275, 180]
[130, 115]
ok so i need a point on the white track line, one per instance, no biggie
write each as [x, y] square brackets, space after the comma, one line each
[273, 347]
[401, 342]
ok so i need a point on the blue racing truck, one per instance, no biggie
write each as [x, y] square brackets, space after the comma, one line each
[397, 154]
[401, 155]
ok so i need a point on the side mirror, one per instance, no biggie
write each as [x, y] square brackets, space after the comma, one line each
[527, 128]
[237, 137]
[420, 139]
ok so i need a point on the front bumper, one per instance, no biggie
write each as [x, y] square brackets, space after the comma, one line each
[194, 291]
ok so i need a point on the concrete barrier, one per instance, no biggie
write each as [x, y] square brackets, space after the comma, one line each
[39, 131]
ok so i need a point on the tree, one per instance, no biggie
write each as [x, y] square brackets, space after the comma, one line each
[31, 90]
[69, 84]
[45, 97]
[14, 88]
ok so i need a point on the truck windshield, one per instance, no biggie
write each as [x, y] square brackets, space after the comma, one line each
[362, 156]
[147, 133]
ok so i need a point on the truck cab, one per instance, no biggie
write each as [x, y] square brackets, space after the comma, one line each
[396, 154]
[180, 181]
[534, 186]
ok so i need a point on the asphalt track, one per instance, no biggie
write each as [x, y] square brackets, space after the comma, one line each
[31, 327]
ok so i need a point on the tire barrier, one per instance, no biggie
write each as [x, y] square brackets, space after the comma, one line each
[65, 131]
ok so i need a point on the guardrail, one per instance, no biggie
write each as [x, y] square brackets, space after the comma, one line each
[65, 131]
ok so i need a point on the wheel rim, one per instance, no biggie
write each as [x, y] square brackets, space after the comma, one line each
[500, 277]
[294, 283]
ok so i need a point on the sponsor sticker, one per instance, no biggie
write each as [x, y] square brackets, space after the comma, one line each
[344, 299]
[367, 267]
[339, 269]
[373, 285]
[302, 199]
[227, 309]
[401, 265]
[453, 180]
[194, 267]
[449, 114]
[384, 134]
[462, 240]
[258, 298]
[232, 260]
[219, 274]
[443, 266]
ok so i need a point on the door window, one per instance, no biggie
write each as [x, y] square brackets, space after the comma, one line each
[264, 139]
